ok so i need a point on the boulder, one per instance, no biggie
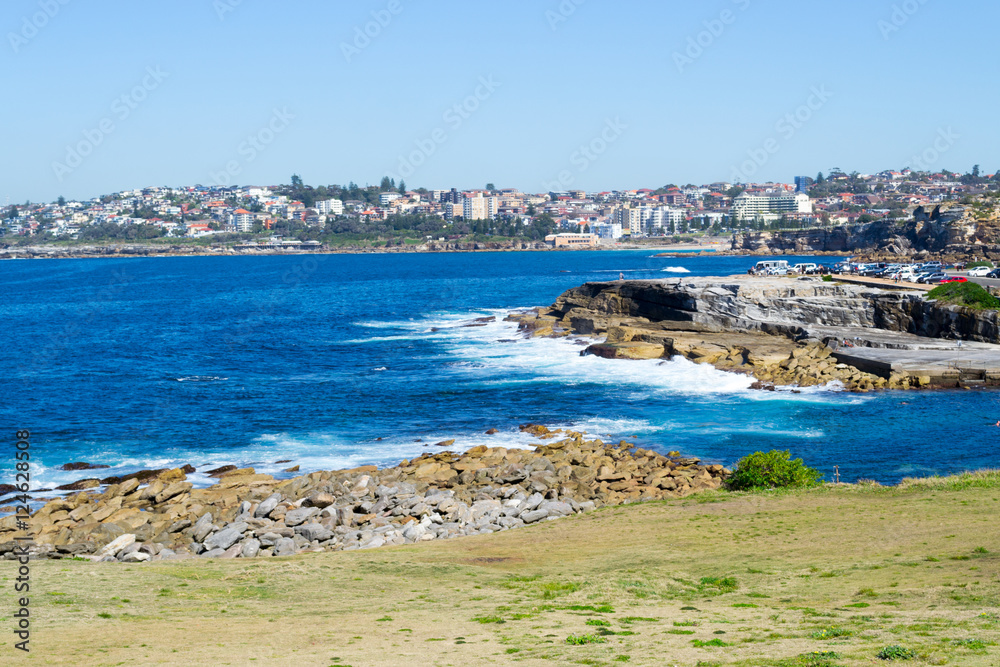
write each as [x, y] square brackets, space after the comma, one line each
[227, 537]
[299, 516]
[250, 548]
[267, 505]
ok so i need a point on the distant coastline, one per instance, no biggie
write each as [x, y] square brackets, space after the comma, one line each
[128, 250]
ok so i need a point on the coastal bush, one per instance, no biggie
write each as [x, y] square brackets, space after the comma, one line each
[580, 640]
[969, 295]
[895, 653]
[723, 584]
[771, 470]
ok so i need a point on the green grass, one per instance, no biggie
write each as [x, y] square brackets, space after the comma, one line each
[968, 295]
[579, 640]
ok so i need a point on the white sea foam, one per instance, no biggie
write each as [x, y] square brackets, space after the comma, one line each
[675, 269]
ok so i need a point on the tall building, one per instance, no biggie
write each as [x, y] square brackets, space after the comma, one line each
[631, 219]
[479, 207]
[802, 183]
[748, 206]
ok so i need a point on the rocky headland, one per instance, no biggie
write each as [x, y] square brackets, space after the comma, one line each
[781, 331]
[160, 515]
[949, 231]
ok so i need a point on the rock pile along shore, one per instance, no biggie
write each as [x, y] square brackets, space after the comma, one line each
[434, 496]
[781, 331]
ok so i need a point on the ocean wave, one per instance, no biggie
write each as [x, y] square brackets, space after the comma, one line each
[200, 378]
[675, 269]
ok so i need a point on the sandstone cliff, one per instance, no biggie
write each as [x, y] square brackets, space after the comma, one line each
[948, 228]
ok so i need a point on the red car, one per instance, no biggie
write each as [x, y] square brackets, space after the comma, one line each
[955, 279]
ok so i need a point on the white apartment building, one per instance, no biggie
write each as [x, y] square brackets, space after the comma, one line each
[666, 220]
[330, 206]
[607, 230]
[748, 206]
[387, 198]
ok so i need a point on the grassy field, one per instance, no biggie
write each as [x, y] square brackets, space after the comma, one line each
[831, 576]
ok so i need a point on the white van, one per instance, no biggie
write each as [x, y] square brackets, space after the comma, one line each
[770, 268]
[803, 269]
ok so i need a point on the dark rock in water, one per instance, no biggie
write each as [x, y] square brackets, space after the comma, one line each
[507, 340]
[292, 469]
[486, 319]
[188, 468]
[218, 472]
[81, 465]
[6, 489]
[492, 431]
[283, 461]
[477, 324]
[762, 386]
[445, 443]
[80, 485]
[142, 476]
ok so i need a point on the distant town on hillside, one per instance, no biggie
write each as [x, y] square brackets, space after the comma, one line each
[324, 214]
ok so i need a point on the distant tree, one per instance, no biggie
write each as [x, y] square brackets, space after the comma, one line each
[386, 184]
[820, 179]
[402, 187]
[975, 171]
[296, 181]
[735, 191]
[61, 201]
[491, 187]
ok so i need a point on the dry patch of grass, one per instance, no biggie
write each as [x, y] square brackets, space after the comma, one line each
[827, 577]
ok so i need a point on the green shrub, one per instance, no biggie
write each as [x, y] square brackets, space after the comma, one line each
[895, 653]
[832, 633]
[723, 584]
[969, 295]
[702, 644]
[489, 619]
[771, 470]
[579, 640]
[978, 264]
[828, 278]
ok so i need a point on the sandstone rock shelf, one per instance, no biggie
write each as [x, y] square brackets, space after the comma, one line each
[783, 331]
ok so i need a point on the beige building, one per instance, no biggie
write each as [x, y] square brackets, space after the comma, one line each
[479, 207]
[572, 240]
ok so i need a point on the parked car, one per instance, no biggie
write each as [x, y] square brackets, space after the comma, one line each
[995, 273]
[955, 279]
[934, 278]
[979, 271]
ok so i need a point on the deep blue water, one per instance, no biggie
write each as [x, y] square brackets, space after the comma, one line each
[249, 360]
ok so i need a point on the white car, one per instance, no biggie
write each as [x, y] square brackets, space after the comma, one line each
[979, 271]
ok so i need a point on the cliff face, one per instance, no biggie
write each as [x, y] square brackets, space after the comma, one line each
[944, 228]
[796, 308]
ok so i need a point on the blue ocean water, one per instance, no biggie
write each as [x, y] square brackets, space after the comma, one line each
[343, 360]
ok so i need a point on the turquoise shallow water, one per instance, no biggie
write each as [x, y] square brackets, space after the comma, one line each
[160, 362]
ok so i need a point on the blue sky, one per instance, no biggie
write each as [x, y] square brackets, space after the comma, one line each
[585, 93]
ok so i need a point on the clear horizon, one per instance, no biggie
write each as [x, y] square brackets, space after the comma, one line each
[536, 96]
